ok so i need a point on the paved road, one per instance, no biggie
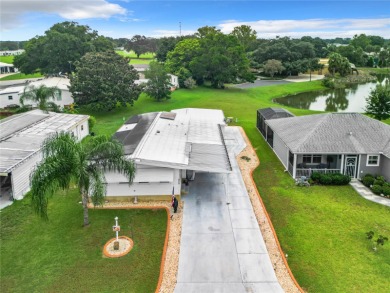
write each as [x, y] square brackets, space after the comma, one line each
[259, 83]
[222, 249]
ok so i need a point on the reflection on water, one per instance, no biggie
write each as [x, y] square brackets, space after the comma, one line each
[351, 99]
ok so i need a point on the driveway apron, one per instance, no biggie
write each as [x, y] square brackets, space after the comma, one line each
[222, 249]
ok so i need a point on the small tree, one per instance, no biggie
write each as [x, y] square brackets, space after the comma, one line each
[273, 66]
[41, 95]
[159, 83]
[378, 103]
[339, 64]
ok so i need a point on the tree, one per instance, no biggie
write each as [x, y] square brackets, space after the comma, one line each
[165, 45]
[103, 80]
[340, 64]
[66, 161]
[378, 103]
[361, 41]
[41, 95]
[140, 45]
[221, 59]
[182, 55]
[246, 36]
[273, 66]
[159, 83]
[314, 64]
[62, 45]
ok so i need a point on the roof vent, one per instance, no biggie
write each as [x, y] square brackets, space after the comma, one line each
[158, 131]
[350, 133]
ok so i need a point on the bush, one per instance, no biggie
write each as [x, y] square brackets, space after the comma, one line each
[190, 83]
[91, 122]
[386, 190]
[377, 189]
[325, 179]
[328, 82]
[340, 179]
[315, 176]
[379, 182]
[368, 180]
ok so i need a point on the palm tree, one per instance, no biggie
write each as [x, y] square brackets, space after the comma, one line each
[67, 161]
[40, 95]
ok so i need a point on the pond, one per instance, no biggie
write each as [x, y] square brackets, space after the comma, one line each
[351, 99]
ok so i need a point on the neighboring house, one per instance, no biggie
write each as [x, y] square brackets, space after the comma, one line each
[11, 95]
[348, 143]
[167, 148]
[21, 139]
[11, 52]
[7, 68]
[141, 68]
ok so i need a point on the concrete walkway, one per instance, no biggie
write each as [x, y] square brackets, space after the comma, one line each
[368, 194]
[260, 82]
[222, 249]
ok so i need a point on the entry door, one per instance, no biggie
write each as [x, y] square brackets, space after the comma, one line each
[350, 166]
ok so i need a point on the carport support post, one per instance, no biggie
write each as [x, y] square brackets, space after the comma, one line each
[116, 225]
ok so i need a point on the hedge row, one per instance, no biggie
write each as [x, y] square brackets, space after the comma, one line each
[377, 184]
[330, 178]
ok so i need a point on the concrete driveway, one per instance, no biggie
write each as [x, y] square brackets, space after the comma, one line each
[222, 249]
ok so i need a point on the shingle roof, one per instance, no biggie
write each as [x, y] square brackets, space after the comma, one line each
[333, 133]
[274, 113]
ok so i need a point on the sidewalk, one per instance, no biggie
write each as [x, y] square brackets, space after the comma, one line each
[367, 193]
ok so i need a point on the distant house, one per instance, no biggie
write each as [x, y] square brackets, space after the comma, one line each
[347, 143]
[11, 95]
[167, 148]
[141, 68]
[11, 52]
[21, 139]
[7, 68]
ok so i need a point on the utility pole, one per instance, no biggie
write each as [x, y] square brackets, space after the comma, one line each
[180, 28]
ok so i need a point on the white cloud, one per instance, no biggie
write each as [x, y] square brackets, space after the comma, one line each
[324, 28]
[12, 11]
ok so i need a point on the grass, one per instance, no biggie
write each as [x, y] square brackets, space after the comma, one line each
[375, 70]
[143, 58]
[7, 59]
[21, 76]
[62, 256]
[322, 229]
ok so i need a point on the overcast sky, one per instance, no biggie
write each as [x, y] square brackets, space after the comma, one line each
[24, 19]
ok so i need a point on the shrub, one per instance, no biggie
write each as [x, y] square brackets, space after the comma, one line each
[368, 180]
[379, 182]
[91, 122]
[377, 189]
[325, 179]
[190, 83]
[340, 179]
[386, 190]
[315, 176]
[328, 82]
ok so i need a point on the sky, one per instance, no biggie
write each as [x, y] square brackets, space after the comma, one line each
[24, 19]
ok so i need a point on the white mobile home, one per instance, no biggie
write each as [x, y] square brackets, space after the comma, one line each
[11, 95]
[169, 147]
[21, 138]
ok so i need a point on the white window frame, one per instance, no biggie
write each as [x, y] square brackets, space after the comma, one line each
[372, 165]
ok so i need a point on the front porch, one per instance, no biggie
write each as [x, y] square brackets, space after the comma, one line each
[305, 164]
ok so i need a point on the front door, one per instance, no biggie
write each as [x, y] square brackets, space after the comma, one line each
[350, 166]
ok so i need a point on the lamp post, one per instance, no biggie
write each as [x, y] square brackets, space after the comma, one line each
[116, 226]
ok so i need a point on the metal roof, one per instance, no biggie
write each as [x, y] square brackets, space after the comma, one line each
[274, 113]
[352, 133]
[25, 134]
[191, 139]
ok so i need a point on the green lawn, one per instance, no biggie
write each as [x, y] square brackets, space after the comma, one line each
[7, 59]
[385, 70]
[21, 76]
[62, 256]
[322, 229]
[143, 58]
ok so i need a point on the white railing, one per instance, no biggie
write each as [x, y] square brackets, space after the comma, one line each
[307, 171]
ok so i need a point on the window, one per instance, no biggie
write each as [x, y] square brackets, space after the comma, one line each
[10, 98]
[372, 160]
[82, 127]
[311, 159]
[57, 95]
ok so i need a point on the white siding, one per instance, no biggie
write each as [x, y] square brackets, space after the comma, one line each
[21, 175]
[148, 181]
[5, 101]
[281, 150]
[80, 130]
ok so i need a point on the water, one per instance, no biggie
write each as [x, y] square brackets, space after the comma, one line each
[351, 99]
